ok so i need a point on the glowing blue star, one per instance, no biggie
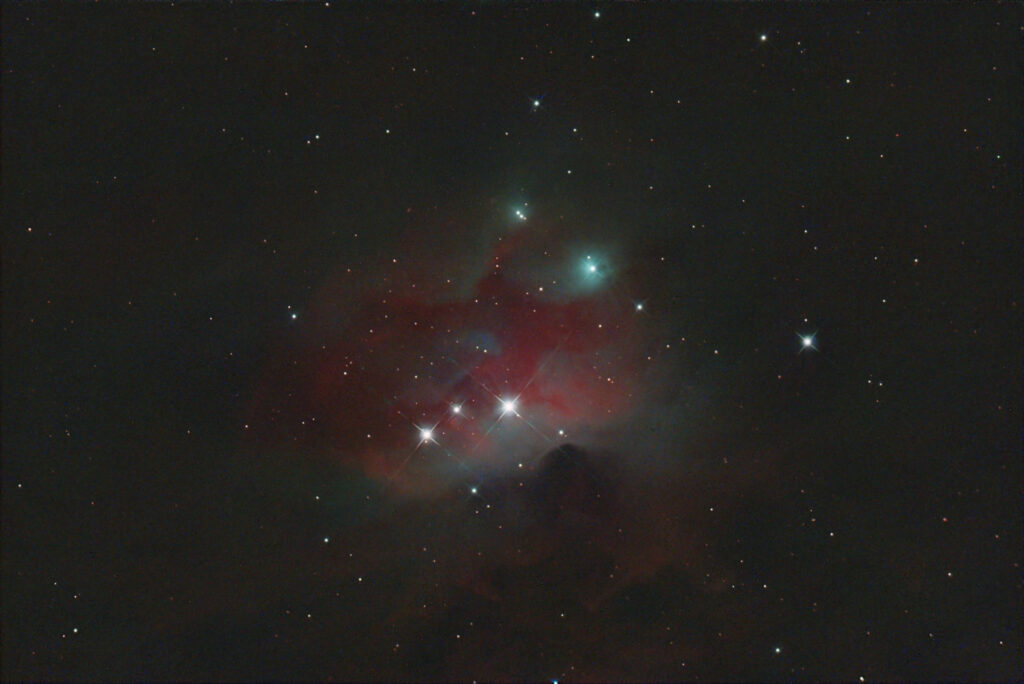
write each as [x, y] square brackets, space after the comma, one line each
[594, 271]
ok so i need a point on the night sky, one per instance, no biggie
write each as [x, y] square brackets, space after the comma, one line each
[577, 342]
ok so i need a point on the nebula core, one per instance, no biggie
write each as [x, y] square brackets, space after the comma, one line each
[499, 374]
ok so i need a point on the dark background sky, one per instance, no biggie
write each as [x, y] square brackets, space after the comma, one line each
[250, 252]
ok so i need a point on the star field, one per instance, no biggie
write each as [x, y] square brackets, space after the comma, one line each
[540, 342]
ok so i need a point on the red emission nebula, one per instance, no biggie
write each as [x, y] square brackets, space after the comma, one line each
[421, 386]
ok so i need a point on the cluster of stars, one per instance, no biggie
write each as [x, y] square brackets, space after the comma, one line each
[594, 271]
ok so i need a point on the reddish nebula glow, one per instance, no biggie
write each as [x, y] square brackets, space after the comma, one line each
[365, 390]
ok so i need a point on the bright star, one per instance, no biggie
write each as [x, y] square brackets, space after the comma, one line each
[472, 490]
[536, 104]
[778, 649]
[640, 306]
[764, 37]
[426, 434]
[456, 409]
[597, 15]
[594, 271]
[294, 316]
[508, 406]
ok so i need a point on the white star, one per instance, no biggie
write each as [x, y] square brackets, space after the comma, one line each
[426, 434]
[508, 406]
[807, 341]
